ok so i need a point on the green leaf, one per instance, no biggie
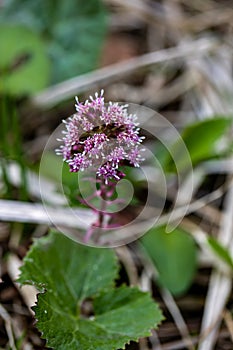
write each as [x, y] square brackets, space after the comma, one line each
[69, 275]
[24, 65]
[174, 256]
[123, 311]
[52, 263]
[200, 140]
[220, 251]
[73, 31]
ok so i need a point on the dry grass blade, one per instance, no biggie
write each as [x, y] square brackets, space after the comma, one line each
[154, 339]
[8, 324]
[229, 322]
[178, 318]
[37, 213]
[103, 76]
[220, 284]
[178, 345]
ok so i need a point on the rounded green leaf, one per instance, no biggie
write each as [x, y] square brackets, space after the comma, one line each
[24, 65]
[174, 256]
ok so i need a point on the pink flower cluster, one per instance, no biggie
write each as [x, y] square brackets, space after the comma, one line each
[103, 136]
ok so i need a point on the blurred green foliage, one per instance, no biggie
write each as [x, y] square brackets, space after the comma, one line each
[72, 32]
[200, 139]
[24, 65]
[11, 148]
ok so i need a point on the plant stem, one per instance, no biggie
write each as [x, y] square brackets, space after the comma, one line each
[106, 192]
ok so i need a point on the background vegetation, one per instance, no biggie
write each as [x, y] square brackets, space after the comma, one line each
[172, 56]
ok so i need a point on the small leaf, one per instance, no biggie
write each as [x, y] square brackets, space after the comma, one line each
[68, 275]
[24, 65]
[220, 251]
[174, 256]
[200, 140]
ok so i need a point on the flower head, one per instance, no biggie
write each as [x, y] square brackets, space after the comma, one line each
[103, 136]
